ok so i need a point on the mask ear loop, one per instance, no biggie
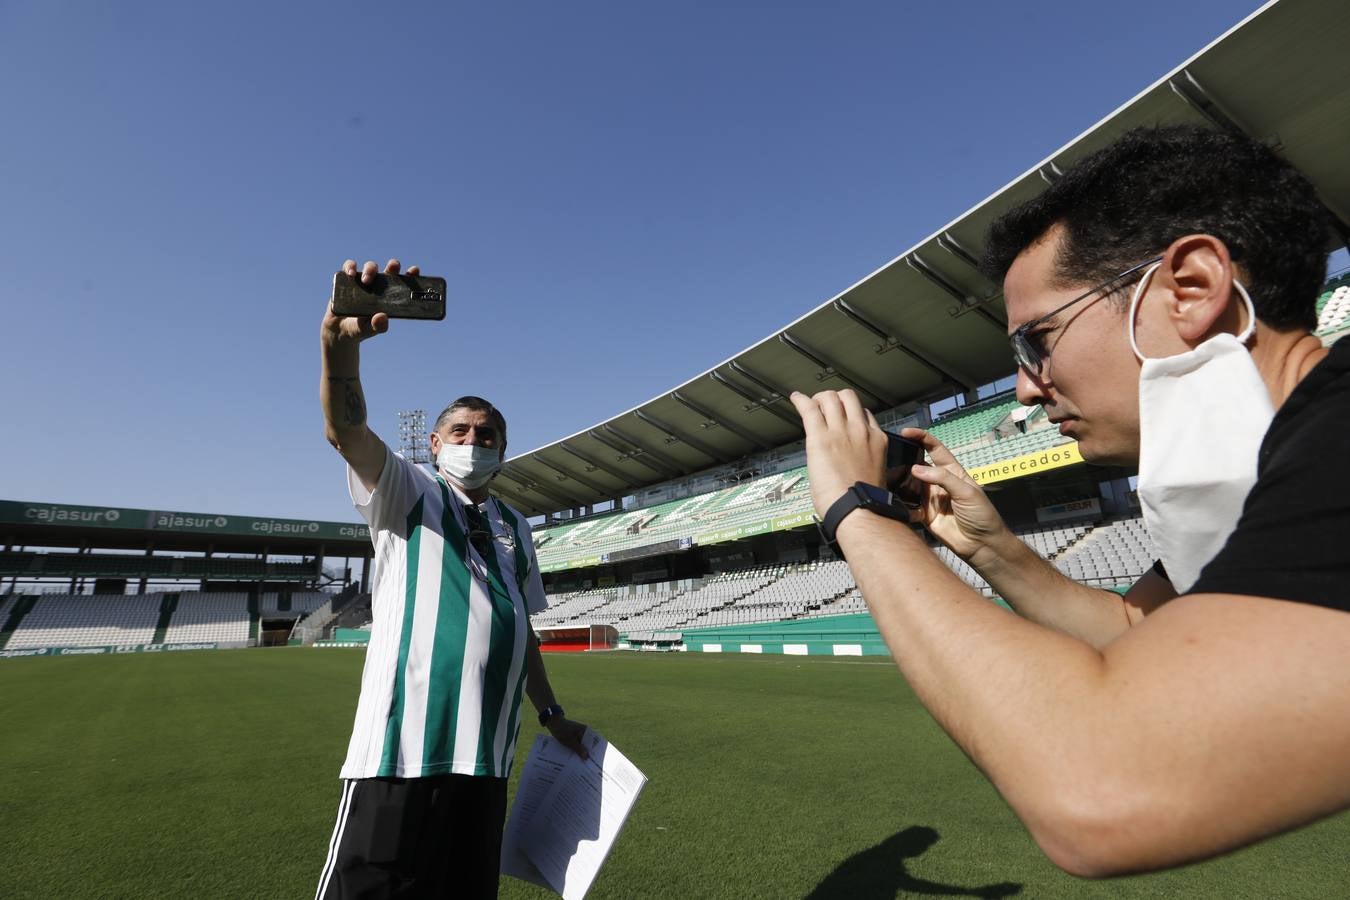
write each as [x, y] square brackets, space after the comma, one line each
[1251, 313]
[1134, 306]
[1242, 338]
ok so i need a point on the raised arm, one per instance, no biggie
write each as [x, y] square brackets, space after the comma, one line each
[340, 393]
[957, 512]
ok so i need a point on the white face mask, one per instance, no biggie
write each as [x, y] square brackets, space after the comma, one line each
[1202, 417]
[468, 465]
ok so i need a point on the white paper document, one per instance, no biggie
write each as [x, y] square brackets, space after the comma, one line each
[567, 814]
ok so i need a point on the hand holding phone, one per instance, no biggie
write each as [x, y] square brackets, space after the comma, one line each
[901, 454]
[411, 296]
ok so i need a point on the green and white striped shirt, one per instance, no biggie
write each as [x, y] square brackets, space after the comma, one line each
[445, 667]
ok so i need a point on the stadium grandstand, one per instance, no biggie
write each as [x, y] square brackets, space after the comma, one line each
[85, 579]
[686, 522]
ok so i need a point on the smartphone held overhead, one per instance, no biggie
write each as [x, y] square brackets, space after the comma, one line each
[397, 296]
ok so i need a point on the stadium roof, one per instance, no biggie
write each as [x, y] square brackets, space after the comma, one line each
[927, 321]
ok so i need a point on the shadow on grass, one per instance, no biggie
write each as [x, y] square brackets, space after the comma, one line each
[878, 873]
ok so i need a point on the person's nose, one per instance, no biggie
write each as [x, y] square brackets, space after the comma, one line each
[1030, 389]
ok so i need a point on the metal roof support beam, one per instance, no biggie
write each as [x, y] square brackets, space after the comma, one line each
[674, 467]
[684, 438]
[949, 243]
[520, 501]
[602, 491]
[830, 368]
[625, 480]
[513, 495]
[889, 342]
[707, 414]
[566, 499]
[777, 392]
[867, 324]
[637, 454]
[567, 491]
[530, 485]
[756, 402]
[965, 304]
[1194, 95]
[915, 262]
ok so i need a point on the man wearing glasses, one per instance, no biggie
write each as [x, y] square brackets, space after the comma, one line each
[451, 649]
[1161, 298]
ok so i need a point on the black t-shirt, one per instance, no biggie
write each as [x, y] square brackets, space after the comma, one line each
[1293, 539]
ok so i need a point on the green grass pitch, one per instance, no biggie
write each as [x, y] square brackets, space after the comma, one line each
[214, 774]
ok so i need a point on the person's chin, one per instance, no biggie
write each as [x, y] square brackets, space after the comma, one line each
[1100, 455]
[1086, 446]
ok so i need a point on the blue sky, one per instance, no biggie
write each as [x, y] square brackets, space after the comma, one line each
[619, 194]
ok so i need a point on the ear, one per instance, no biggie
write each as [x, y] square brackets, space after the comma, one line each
[1196, 277]
[435, 444]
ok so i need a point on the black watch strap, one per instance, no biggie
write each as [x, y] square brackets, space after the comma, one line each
[549, 712]
[861, 496]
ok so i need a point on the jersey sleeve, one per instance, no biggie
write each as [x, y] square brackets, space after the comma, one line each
[1290, 543]
[535, 598]
[386, 508]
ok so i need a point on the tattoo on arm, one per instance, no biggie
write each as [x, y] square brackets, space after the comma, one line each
[354, 404]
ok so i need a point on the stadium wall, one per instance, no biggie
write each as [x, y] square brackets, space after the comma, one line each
[853, 635]
[110, 649]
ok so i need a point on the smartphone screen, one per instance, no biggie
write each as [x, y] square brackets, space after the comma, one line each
[901, 453]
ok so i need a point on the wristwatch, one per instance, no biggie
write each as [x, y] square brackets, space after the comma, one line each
[549, 712]
[861, 496]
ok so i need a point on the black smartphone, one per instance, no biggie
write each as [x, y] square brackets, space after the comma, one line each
[397, 296]
[901, 453]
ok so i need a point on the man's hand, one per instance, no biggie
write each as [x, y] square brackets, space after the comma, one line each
[358, 328]
[844, 444]
[569, 734]
[340, 392]
[952, 506]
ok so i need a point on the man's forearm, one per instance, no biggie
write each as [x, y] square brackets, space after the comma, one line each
[340, 392]
[569, 733]
[344, 409]
[1043, 594]
[1008, 691]
[1116, 760]
[537, 686]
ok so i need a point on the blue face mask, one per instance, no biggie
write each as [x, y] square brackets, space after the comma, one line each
[468, 465]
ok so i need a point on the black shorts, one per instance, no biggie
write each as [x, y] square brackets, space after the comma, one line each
[439, 836]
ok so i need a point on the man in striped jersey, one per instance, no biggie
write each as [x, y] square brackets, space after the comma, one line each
[451, 649]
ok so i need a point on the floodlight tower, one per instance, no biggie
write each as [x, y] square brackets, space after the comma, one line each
[412, 436]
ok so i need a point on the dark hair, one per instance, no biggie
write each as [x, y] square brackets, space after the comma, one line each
[1130, 200]
[477, 404]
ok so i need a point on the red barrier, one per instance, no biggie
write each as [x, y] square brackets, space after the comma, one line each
[564, 646]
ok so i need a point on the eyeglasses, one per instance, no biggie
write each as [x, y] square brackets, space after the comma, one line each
[482, 539]
[1029, 349]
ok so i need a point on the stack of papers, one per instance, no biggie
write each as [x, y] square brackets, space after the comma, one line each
[567, 814]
